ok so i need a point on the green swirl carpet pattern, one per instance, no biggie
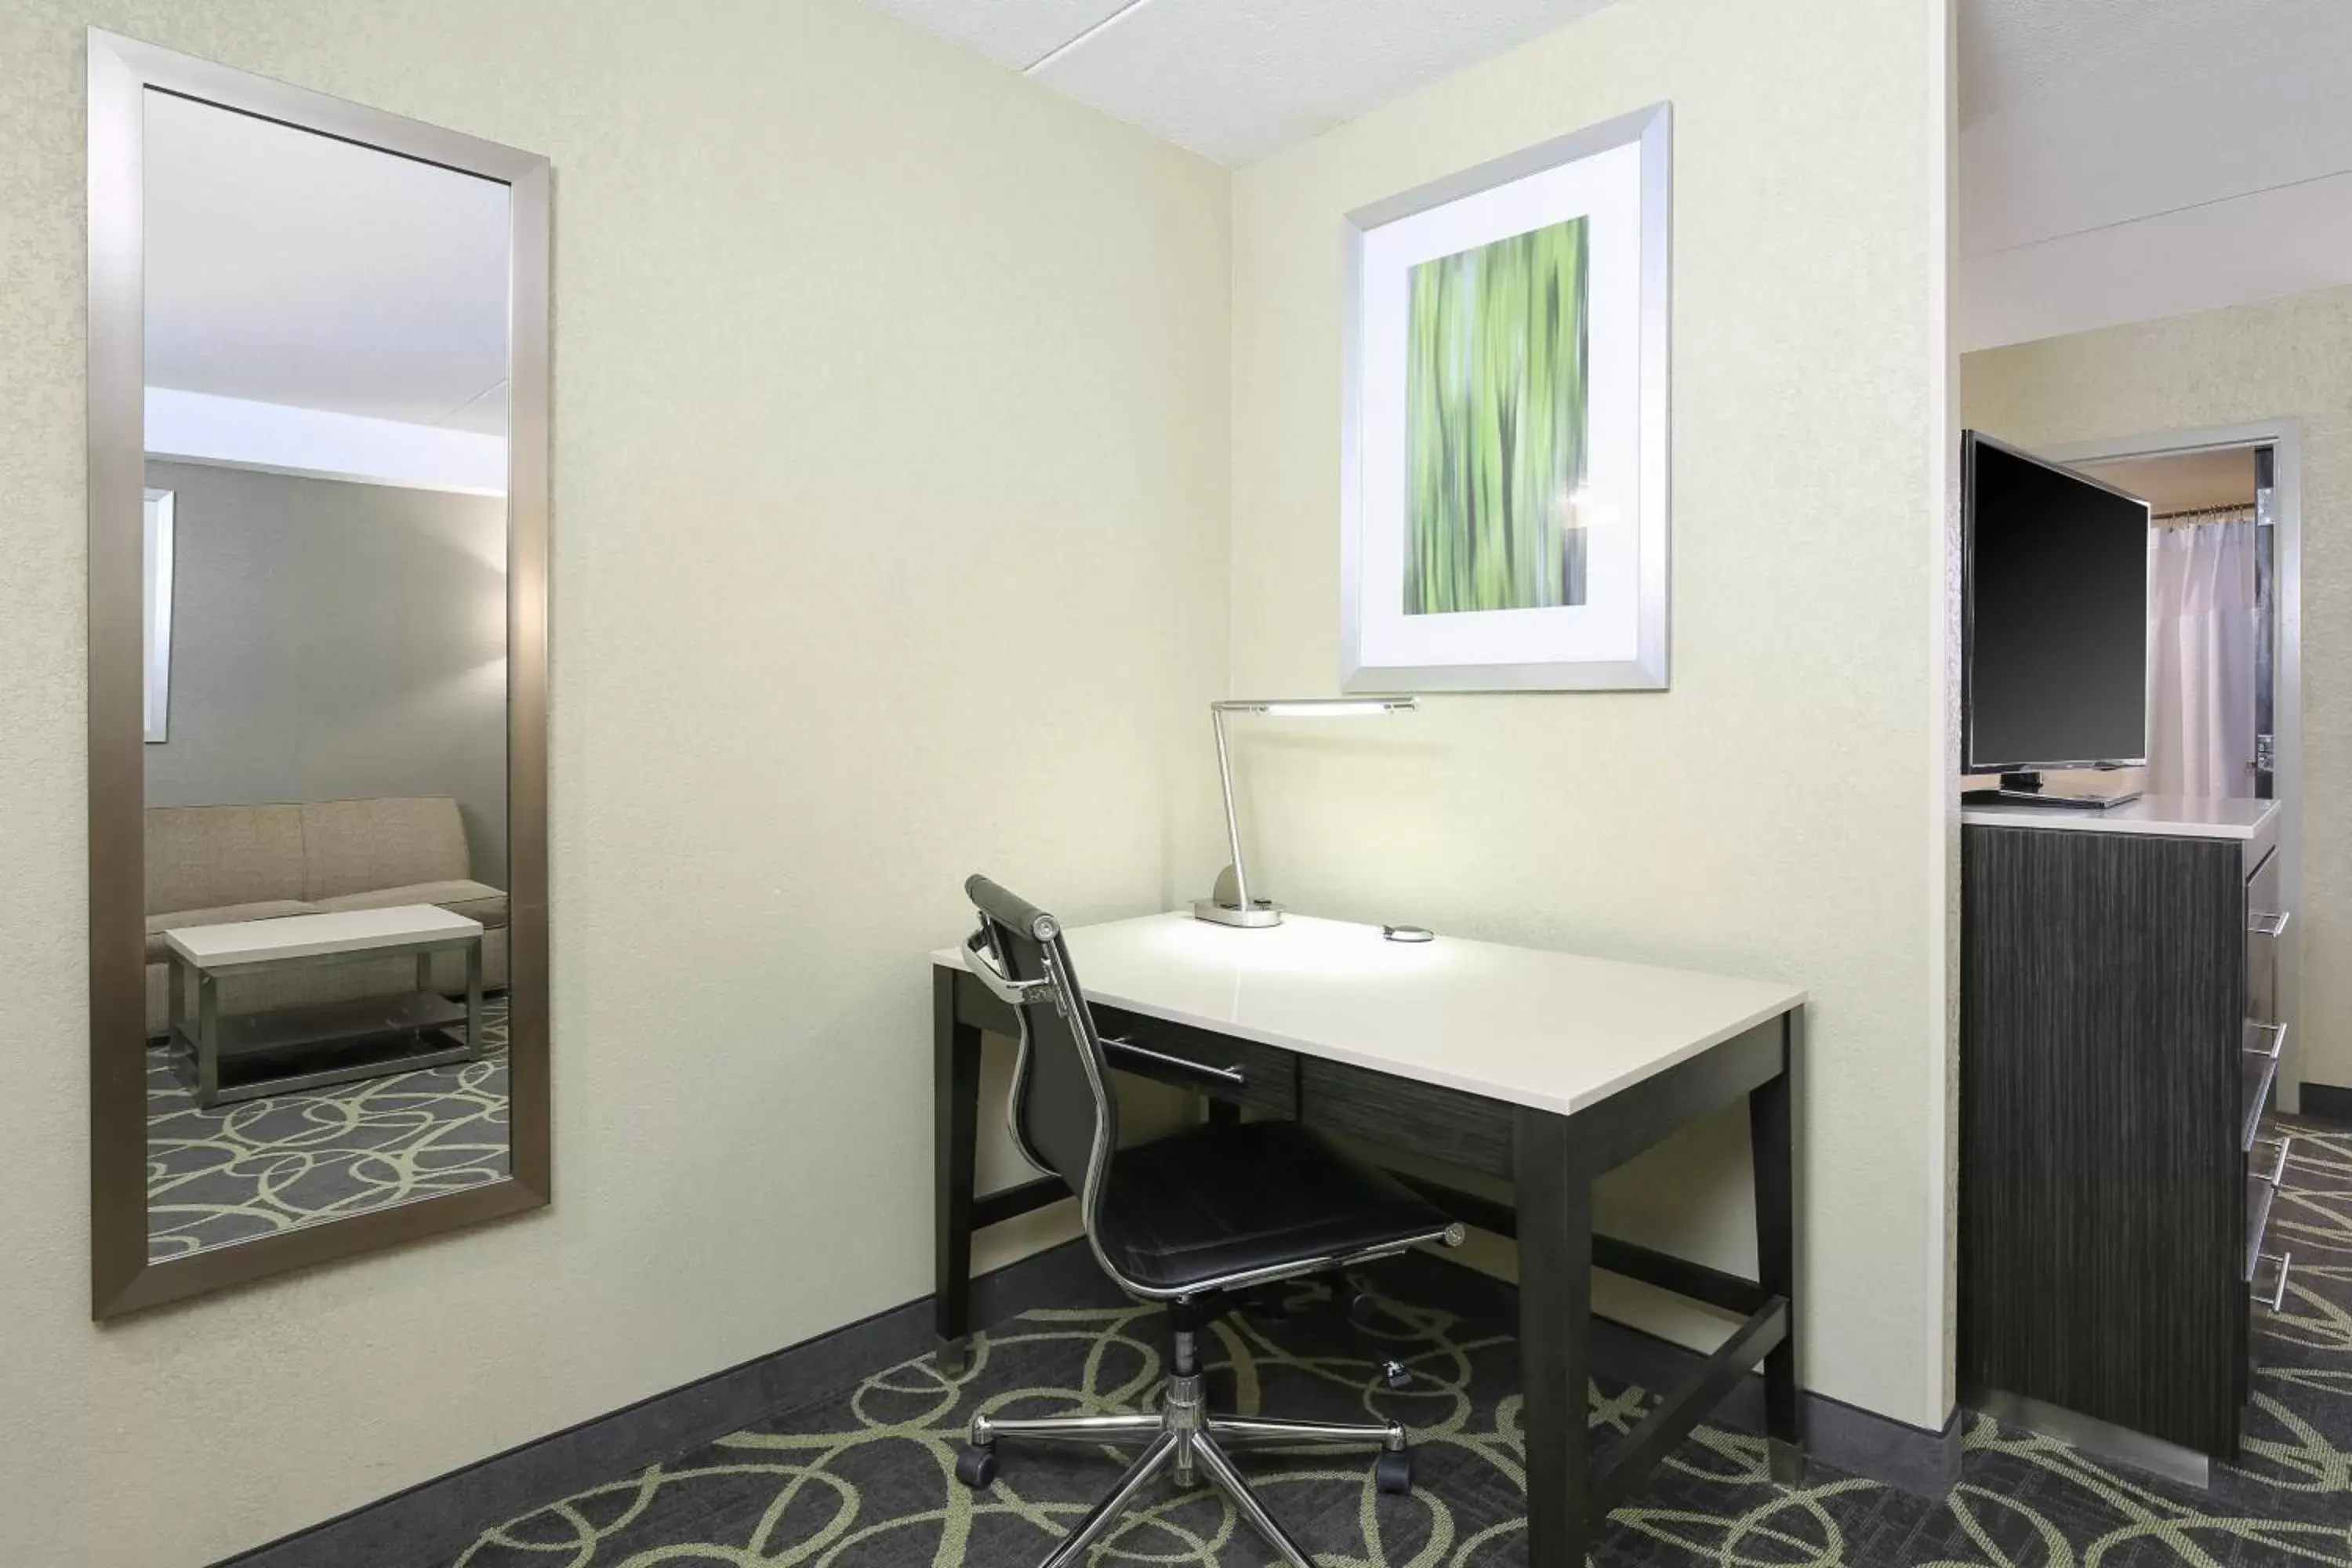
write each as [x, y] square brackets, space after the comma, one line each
[255, 1167]
[862, 1478]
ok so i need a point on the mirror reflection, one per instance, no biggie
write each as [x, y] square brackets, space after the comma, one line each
[327, 360]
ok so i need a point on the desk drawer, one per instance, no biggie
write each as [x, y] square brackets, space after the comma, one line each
[1444, 1123]
[1269, 1074]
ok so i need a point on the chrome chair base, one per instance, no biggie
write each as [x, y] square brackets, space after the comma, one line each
[1190, 1444]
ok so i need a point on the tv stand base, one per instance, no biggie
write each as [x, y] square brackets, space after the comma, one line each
[2026, 789]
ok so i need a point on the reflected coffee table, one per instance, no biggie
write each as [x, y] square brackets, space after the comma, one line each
[277, 1052]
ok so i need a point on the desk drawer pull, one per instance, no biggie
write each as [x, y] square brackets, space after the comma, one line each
[1118, 1049]
[2278, 1172]
[2269, 924]
[2277, 1033]
[2285, 1260]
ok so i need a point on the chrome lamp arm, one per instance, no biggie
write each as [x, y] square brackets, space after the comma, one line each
[1244, 911]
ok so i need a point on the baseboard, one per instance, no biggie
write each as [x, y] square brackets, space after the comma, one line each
[436, 1520]
[1861, 1442]
[2326, 1102]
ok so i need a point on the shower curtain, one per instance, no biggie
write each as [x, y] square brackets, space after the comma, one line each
[2202, 621]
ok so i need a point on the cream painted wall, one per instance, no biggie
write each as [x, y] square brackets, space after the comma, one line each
[1784, 810]
[2284, 359]
[880, 376]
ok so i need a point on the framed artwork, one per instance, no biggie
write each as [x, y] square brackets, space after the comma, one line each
[1505, 508]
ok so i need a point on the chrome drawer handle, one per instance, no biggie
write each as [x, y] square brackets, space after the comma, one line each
[2285, 1260]
[2278, 1172]
[2269, 924]
[1232, 1075]
[2278, 1042]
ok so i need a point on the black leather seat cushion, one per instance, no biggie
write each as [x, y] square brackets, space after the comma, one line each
[1212, 1201]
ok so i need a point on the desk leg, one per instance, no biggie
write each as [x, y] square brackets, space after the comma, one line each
[207, 1040]
[1555, 1224]
[175, 977]
[474, 998]
[955, 1115]
[1771, 1139]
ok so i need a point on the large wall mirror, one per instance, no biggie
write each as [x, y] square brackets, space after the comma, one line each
[318, 677]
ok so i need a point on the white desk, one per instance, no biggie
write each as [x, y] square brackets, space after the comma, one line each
[1546, 1069]
[1552, 1031]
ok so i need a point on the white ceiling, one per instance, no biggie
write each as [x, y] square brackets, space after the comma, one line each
[1236, 80]
[291, 268]
[2121, 160]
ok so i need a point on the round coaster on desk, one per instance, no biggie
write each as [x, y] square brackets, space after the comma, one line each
[1408, 933]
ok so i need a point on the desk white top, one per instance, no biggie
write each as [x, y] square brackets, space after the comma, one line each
[1553, 1031]
[309, 936]
[2167, 816]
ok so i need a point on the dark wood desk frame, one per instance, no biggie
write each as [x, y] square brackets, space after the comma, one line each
[1552, 1160]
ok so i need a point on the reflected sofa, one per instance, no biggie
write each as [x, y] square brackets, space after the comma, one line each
[208, 865]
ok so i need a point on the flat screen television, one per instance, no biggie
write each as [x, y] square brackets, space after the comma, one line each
[2053, 657]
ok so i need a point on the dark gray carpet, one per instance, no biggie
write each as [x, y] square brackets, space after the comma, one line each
[255, 1167]
[861, 1478]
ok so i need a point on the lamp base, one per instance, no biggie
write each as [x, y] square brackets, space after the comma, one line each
[1261, 912]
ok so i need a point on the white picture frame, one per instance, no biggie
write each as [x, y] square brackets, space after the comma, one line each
[1584, 596]
[157, 543]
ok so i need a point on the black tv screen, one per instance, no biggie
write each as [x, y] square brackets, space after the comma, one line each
[2054, 655]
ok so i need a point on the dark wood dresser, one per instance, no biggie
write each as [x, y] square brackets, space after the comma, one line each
[2119, 1044]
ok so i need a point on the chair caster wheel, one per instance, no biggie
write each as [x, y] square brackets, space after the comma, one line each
[976, 1467]
[1393, 1472]
[1394, 1375]
[1363, 1308]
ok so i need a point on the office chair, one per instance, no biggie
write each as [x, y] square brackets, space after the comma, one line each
[1187, 1220]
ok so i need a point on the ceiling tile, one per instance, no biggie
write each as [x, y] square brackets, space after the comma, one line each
[2121, 160]
[1017, 33]
[2193, 101]
[1236, 80]
[2012, 50]
[2234, 252]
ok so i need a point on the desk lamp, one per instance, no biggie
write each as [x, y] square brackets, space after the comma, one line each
[1231, 904]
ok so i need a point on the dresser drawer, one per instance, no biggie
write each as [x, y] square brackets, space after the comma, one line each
[2261, 1047]
[2267, 1291]
[1269, 1075]
[1444, 1124]
[2266, 924]
[2265, 1169]
[2260, 1195]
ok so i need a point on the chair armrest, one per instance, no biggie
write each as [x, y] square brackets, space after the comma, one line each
[982, 964]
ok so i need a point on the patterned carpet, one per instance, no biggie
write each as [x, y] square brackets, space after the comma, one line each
[861, 1479]
[255, 1167]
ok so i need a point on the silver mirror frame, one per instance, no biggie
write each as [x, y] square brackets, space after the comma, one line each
[122, 1279]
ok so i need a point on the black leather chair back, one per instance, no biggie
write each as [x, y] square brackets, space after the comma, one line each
[1065, 1115]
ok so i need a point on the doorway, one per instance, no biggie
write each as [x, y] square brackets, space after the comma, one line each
[2225, 672]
